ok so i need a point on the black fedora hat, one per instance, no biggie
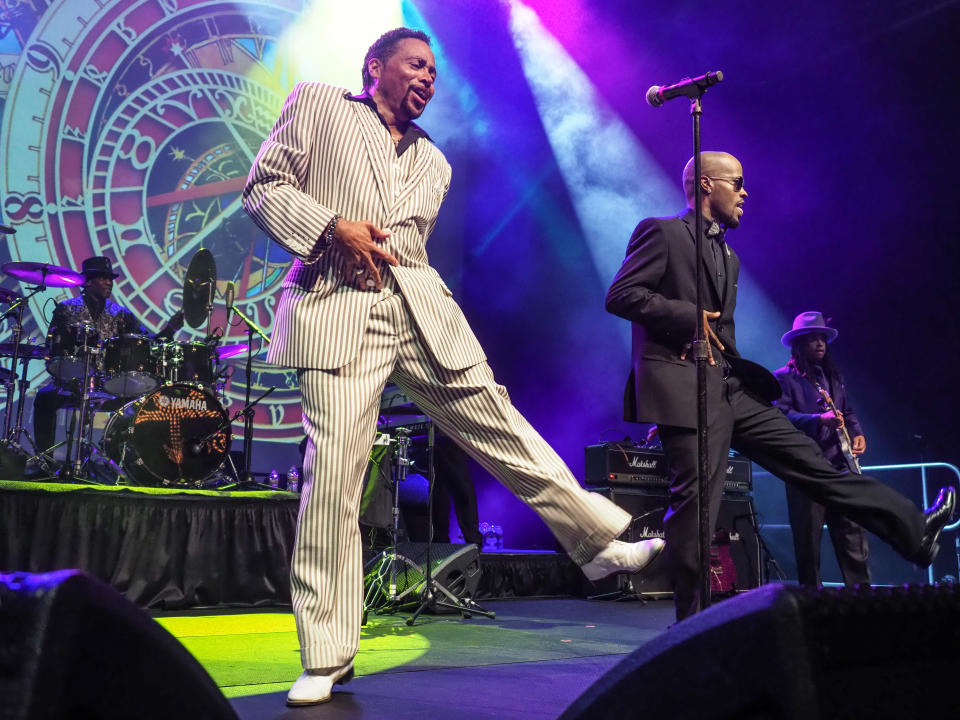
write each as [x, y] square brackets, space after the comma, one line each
[98, 265]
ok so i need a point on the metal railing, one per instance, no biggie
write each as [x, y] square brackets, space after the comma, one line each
[922, 467]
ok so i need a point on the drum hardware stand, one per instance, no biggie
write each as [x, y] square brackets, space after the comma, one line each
[45, 457]
[434, 593]
[385, 581]
[111, 467]
[42, 456]
[73, 469]
[246, 478]
[246, 482]
[10, 446]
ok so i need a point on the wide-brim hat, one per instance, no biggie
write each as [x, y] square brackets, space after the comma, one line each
[807, 323]
[98, 265]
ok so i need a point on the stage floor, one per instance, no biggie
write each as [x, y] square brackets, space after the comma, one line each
[532, 661]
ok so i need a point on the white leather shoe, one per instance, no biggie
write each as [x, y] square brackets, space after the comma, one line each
[313, 688]
[621, 557]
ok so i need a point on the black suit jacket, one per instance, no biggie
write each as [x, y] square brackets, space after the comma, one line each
[656, 290]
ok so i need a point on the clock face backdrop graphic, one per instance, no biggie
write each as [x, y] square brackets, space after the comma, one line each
[128, 130]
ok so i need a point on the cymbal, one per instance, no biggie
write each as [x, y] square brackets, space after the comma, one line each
[25, 351]
[199, 285]
[95, 396]
[8, 295]
[229, 351]
[45, 273]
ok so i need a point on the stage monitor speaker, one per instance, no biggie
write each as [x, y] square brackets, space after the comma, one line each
[73, 647]
[456, 567]
[734, 563]
[788, 653]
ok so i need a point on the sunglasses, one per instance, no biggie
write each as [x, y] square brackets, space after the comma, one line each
[737, 181]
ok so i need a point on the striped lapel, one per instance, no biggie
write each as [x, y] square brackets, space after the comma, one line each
[371, 132]
[420, 166]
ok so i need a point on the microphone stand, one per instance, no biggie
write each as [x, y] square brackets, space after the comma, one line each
[226, 423]
[246, 480]
[700, 354]
[435, 595]
[656, 96]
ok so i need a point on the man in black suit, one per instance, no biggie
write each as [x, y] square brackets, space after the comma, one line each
[837, 432]
[655, 289]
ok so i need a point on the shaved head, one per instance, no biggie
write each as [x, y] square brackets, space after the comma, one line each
[721, 182]
[712, 163]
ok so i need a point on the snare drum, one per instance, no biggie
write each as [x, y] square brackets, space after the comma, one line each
[130, 365]
[70, 348]
[159, 439]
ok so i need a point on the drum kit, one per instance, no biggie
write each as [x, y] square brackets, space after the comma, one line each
[167, 425]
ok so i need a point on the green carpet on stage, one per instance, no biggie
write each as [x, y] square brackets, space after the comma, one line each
[253, 653]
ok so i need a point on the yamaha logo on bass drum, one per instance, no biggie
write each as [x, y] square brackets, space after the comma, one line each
[198, 404]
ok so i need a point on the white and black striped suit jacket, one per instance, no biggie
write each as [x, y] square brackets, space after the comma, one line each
[329, 155]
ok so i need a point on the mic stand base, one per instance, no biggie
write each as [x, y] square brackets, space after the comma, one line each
[465, 606]
[627, 592]
[247, 483]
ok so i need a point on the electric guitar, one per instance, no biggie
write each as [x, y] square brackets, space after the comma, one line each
[846, 447]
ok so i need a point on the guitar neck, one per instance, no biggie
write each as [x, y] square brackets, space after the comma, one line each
[846, 446]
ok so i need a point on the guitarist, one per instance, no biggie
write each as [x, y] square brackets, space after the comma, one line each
[815, 400]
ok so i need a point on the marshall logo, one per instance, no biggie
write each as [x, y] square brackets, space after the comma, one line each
[642, 463]
[187, 403]
[647, 532]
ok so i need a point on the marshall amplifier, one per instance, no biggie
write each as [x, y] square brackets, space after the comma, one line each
[613, 464]
[734, 552]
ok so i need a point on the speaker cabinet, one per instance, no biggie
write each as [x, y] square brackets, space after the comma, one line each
[788, 653]
[72, 647]
[735, 559]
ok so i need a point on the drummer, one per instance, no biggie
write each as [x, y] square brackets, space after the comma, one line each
[95, 309]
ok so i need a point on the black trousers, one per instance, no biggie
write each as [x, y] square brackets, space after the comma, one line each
[849, 541]
[763, 434]
[453, 482]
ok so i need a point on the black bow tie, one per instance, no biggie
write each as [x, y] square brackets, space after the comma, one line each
[714, 231]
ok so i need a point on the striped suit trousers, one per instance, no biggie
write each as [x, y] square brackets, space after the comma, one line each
[340, 409]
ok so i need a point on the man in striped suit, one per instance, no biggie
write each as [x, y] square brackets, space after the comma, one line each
[351, 186]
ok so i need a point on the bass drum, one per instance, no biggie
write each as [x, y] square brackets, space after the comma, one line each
[159, 439]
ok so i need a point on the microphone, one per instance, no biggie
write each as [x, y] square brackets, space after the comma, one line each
[228, 296]
[688, 87]
[7, 230]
